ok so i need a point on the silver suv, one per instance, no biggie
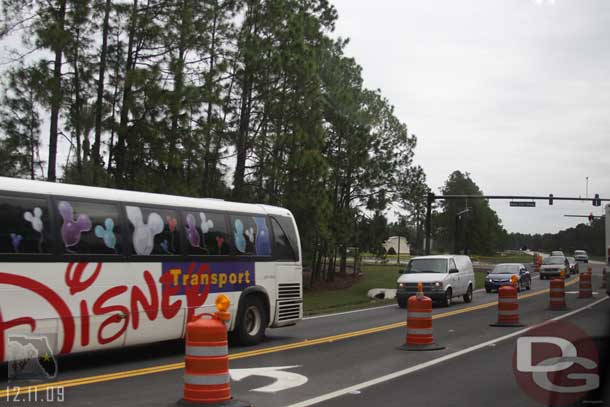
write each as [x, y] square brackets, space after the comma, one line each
[581, 255]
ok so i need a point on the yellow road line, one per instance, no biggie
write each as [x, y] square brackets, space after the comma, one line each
[247, 354]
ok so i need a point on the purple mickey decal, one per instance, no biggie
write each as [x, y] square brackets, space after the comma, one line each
[71, 229]
[191, 231]
[16, 241]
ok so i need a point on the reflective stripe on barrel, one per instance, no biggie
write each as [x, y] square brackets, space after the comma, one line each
[207, 350]
[211, 379]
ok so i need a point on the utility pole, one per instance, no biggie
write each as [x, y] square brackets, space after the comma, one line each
[587, 188]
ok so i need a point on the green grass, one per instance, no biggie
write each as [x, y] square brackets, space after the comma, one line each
[354, 297]
[511, 258]
[479, 280]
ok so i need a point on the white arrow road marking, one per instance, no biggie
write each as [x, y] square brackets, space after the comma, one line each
[283, 380]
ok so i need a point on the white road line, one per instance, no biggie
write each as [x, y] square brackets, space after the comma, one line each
[400, 373]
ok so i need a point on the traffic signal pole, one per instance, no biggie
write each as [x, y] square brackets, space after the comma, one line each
[429, 202]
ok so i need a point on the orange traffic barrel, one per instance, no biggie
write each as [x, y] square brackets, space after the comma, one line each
[508, 307]
[206, 371]
[419, 324]
[604, 279]
[557, 294]
[584, 285]
[537, 262]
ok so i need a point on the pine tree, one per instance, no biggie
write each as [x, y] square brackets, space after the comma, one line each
[20, 124]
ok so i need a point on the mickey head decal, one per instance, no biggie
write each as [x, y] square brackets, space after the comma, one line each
[263, 245]
[71, 229]
[16, 241]
[144, 233]
[106, 233]
[250, 234]
[35, 218]
[191, 231]
[206, 224]
[238, 232]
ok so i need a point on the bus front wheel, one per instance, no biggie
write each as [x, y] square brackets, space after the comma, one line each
[250, 328]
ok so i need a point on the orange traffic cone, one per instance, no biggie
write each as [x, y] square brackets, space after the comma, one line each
[584, 285]
[508, 307]
[557, 294]
[419, 323]
[206, 371]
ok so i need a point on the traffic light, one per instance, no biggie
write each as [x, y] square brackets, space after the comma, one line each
[591, 217]
[550, 199]
[597, 201]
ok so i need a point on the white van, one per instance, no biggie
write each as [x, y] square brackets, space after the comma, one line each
[444, 278]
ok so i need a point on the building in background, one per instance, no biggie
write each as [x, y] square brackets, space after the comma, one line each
[394, 241]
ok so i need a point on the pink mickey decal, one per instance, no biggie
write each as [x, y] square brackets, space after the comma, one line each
[219, 242]
[71, 229]
[171, 222]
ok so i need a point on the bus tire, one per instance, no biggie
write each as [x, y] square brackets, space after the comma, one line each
[250, 326]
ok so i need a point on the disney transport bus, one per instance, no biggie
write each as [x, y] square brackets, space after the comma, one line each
[93, 268]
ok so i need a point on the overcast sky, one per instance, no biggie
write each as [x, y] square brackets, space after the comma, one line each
[516, 92]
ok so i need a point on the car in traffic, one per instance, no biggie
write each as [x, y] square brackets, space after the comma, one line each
[581, 255]
[552, 266]
[572, 264]
[503, 273]
[557, 253]
[443, 277]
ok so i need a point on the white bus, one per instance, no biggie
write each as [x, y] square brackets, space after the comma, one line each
[93, 268]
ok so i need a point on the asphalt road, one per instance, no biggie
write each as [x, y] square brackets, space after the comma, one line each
[349, 359]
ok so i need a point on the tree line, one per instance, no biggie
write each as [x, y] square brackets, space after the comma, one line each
[589, 237]
[466, 226]
[248, 100]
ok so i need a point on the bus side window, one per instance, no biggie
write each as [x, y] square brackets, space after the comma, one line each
[287, 225]
[153, 231]
[24, 225]
[282, 248]
[88, 227]
[206, 233]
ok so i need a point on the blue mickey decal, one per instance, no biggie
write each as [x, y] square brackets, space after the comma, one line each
[263, 245]
[238, 232]
[106, 233]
